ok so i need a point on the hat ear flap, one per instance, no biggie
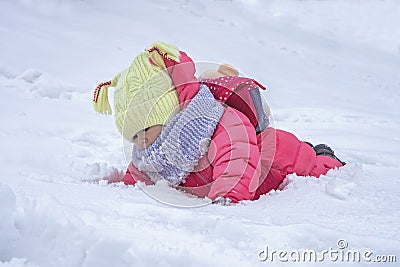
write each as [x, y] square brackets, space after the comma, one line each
[100, 97]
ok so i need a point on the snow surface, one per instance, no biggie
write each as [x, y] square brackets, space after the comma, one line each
[333, 74]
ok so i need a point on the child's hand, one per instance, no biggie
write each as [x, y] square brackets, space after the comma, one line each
[224, 201]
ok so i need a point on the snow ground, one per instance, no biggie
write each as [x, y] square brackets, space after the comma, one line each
[332, 71]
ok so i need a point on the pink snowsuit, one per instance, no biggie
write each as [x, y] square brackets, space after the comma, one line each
[239, 165]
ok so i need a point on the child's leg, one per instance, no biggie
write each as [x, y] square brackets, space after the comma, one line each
[323, 164]
[294, 156]
[325, 150]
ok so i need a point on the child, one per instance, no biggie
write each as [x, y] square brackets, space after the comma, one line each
[180, 133]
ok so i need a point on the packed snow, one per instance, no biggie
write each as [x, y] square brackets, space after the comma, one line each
[332, 69]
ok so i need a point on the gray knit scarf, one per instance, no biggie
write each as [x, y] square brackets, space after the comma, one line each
[182, 142]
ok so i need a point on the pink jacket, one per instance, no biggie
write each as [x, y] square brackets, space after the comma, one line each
[239, 165]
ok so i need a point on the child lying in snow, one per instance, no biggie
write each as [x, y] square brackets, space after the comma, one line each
[180, 133]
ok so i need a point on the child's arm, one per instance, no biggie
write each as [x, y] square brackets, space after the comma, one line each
[182, 74]
[236, 163]
[182, 71]
[133, 175]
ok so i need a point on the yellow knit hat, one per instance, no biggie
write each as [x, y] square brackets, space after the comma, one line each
[144, 94]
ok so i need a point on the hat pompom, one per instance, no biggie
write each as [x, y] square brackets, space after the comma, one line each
[100, 99]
